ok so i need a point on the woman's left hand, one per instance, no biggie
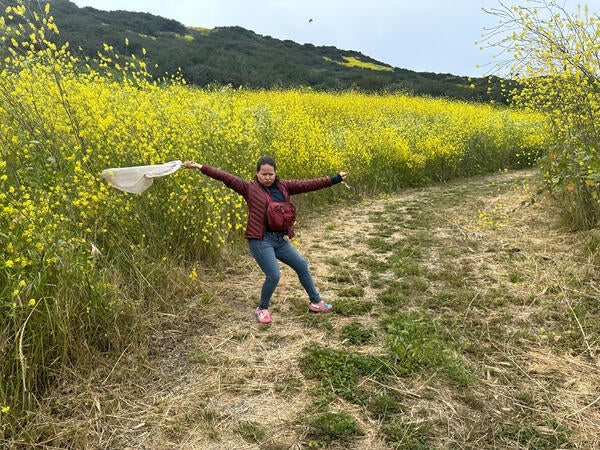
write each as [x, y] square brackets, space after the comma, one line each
[344, 175]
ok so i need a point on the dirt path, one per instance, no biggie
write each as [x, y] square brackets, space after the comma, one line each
[215, 379]
[232, 371]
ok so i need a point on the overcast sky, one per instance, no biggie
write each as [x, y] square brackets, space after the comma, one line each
[421, 35]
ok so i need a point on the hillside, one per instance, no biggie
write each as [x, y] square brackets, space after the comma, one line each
[239, 57]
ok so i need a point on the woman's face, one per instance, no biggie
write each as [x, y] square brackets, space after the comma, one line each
[266, 175]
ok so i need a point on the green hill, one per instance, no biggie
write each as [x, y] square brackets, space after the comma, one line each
[239, 57]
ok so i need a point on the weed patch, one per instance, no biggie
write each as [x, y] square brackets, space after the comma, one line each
[356, 334]
[417, 343]
[395, 295]
[352, 292]
[406, 435]
[373, 265]
[319, 321]
[328, 427]
[379, 245]
[384, 406]
[534, 437]
[352, 306]
[250, 432]
[340, 370]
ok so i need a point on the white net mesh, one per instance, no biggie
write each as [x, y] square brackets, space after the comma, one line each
[138, 178]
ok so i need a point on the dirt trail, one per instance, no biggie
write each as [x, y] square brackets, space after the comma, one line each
[216, 379]
[232, 367]
[242, 372]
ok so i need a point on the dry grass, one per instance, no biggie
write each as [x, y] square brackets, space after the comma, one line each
[518, 288]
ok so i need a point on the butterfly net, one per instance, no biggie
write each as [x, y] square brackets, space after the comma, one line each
[137, 179]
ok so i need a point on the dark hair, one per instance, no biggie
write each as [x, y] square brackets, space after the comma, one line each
[265, 160]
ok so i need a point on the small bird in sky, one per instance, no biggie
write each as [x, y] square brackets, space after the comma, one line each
[309, 20]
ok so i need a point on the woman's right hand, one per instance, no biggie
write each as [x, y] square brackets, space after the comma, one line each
[191, 165]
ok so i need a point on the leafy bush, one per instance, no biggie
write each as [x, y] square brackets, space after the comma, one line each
[555, 65]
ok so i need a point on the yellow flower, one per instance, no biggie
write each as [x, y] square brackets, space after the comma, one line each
[5, 409]
[32, 302]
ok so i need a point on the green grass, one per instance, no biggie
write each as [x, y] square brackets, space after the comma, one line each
[372, 264]
[352, 306]
[354, 292]
[417, 343]
[430, 315]
[251, 432]
[547, 437]
[340, 370]
[439, 345]
[328, 427]
[357, 334]
[401, 434]
[384, 406]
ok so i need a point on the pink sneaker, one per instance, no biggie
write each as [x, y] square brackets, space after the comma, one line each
[320, 307]
[263, 316]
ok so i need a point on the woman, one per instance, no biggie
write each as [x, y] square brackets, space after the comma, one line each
[268, 246]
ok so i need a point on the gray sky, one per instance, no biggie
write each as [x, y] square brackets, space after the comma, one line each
[421, 35]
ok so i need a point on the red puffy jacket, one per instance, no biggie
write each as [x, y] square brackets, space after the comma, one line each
[254, 194]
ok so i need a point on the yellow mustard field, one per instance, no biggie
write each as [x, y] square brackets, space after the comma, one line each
[78, 258]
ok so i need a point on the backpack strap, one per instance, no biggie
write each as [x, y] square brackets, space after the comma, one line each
[266, 215]
[266, 191]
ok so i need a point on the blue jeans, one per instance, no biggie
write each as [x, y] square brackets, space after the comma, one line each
[275, 247]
